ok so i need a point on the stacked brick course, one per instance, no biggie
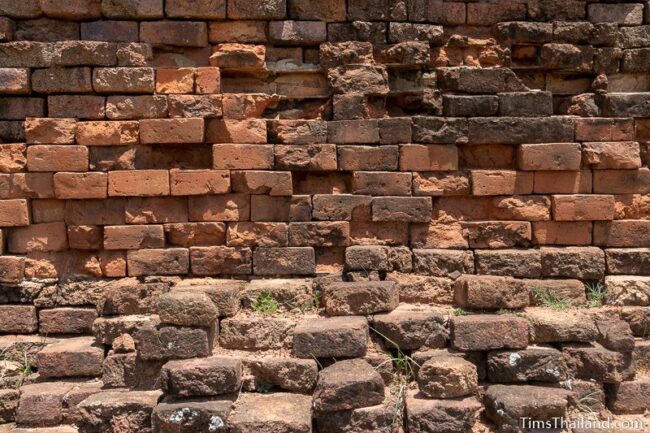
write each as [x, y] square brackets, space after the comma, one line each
[205, 203]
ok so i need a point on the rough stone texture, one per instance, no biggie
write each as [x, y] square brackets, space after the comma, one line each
[447, 377]
[202, 376]
[507, 404]
[487, 161]
[348, 385]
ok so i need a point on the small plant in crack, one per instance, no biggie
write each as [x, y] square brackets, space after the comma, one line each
[403, 374]
[596, 294]
[265, 303]
[459, 312]
[263, 388]
[550, 300]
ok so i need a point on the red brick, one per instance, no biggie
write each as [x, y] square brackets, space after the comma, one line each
[113, 263]
[622, 233]
[228, 207]
[136, 107]
[238, 56]
[123, 80]
[80, 185]
[94, 212]
[305, 157]
[18, 319]
[207, 80]
[622, 181]
[596, 129]
[174, 33]
[235, 131]
[562, 233]
[133, 237]
[107, 133]
[329, 10]
[381, 183]
[12, 158]
[612, 155]
[68, 320]
[244, 32]
[221, 260]
[549, 156]
[138, 183]
[196, 234]
[199, 182]
[201, 9]
[583, 207]
[501, 182]
[73, 9]
[132, 9]
[267, 208]
[48, 210]
[147, 210]
[57, 158]
[498, 234]
[177, 80]
[273, 183]
[562, 182]
[253, 234]
[242, 156]
[62, 80]
[38, 238]
[368, 158]
[50, 131]
[195, 105]
[418, 157]
[79, 106]
[284, 261]
[12, 269]
[353, 131]
[85, 237]
[406, 209]
[171, 261]
[168, 131]
[110, 31]
[26, 185]
[251, 10]
[14, 81]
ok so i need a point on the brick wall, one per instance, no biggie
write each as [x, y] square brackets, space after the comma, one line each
[281, 139]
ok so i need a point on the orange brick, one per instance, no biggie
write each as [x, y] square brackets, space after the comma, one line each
[596, 129]
[57, 158]
[207, 80]
[562, 233]
[80, 185]
[585, 207]
[273, 183]
[422, 157]
[44, 237]
[85, 237]
[48, 210]
[176, 80]
[50, 131]
[133, 237]
[170, 131]
[196, 234]
[112, 263]
[242, 156]
[12, 269]
[138, 183]
[612, 155]
[199, 182]
[14, 213]
[623, 233]
[622, 181]
[549, 156]
[501, 182]
[101, 133]
[26, 185]
[171, 261]
[227, 207]
[12, 157]
[563, 182]
[235, 131]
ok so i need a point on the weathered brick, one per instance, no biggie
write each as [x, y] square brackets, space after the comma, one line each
[57, 158]
[199, 182]
[135, 107]
[501, 182]
[79, 106]
[133, 237]
[274, 183]
[228, 207]
[138, 183]
[612, 155]
[171, 261]
[123, 80]
[238, 56]
[282, 261]
[107, 133]
[381, 183]
[128, 9]
[80, 185]
[171, 131]
[583, 207]
[622, 233]
[411, 209]
[555, 156]
[50, 131]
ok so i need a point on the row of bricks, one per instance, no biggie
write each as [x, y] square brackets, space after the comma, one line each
[326, 10]
[262, 32]
[223, 260]
[56, 236]
[329, 157]
[320, 207]
[237, 207]
[176, 182]
[434, 130]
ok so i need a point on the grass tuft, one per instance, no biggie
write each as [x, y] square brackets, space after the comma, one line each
[550, 300]
[596, 294]
[265, 304]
